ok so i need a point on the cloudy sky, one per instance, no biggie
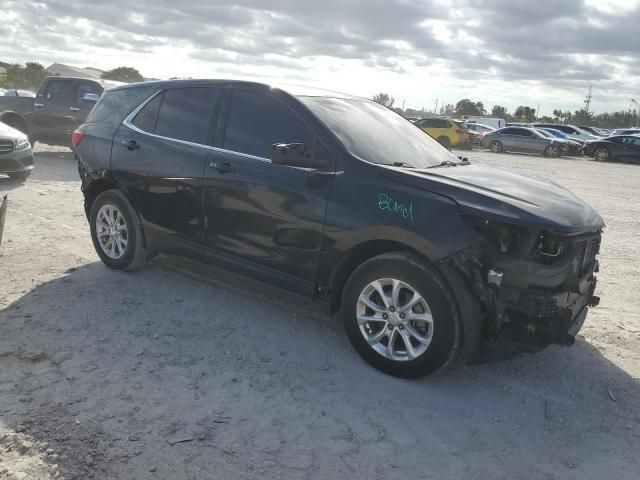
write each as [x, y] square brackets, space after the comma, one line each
[507, 52]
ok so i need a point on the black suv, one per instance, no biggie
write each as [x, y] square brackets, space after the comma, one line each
[339, 198]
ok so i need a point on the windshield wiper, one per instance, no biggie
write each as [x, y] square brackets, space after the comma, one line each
[449, 163]
[398, 164]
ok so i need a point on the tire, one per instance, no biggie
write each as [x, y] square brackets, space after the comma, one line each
[441, 341]
[134, 254]
[552, 151]
[601, 154]
[445, 142]
[20, 176]
[496, 146]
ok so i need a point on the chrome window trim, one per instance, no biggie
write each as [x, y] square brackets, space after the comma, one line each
[128, 122]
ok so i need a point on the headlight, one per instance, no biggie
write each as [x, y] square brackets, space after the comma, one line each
[22, 143]
[502, 236]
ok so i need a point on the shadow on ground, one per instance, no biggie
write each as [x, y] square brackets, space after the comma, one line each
[157, 375]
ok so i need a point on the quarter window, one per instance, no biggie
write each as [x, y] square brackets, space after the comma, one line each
[146, 118]
[89, 87]
[257, 121]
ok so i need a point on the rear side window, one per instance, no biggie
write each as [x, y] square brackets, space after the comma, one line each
[509, 131]
[185, 114]
[256, 121]
[89, 87]
[111, 102]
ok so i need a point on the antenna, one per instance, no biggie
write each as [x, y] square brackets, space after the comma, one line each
[587, 100]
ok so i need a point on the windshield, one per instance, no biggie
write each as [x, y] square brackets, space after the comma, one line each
[376, 134]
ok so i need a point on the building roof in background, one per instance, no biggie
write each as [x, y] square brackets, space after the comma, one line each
[71, 71]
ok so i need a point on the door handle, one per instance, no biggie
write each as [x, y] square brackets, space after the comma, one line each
[38, 105]
[74, 109]
[222, 167]
[130, 144]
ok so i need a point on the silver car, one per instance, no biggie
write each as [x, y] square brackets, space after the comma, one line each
[521, 139]
[16, 157]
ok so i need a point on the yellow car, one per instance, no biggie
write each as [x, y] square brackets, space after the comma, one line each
[448, 133]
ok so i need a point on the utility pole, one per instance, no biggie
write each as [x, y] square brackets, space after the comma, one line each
[587, 100]
[435, 112]
[637, 112]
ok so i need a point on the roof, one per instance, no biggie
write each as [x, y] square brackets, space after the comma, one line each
[294, 90]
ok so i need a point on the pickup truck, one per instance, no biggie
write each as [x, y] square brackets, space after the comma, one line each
[59, 107]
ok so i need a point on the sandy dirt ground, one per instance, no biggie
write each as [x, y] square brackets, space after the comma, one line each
[178, 372]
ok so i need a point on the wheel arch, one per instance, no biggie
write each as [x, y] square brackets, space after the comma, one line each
[95, 188]
[468, 305]
[356, 256]
[15, 120]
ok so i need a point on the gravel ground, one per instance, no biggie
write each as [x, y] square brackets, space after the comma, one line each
[176, 372]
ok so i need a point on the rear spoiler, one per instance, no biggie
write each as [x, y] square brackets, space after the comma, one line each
[3, 214]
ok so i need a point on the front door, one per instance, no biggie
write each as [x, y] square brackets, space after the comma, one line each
[53, 117]
[159, 156]
[268, 216]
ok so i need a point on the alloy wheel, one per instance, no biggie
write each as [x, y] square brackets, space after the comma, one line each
[111, 230]
[601, 155]
[394, 319]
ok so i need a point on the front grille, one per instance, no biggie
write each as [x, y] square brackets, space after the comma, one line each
[538, 305]
[6, 146]
[584, 254]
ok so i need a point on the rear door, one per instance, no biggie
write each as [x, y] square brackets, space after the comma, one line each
[52, 115]
[269, 218]
[159, 155]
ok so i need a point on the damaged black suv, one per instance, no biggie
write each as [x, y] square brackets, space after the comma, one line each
[341, 199]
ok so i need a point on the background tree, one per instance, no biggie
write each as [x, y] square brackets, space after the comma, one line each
[525, 114]
[447, 110]
[467, 107]
[384, 99]
[28, 77]
[499, 111]
[123, 74]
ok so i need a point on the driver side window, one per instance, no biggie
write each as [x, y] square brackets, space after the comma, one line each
[258, 120]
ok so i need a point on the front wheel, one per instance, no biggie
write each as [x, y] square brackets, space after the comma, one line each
[496, 146]
[601, 154]
[20, 176]
[401, 317]
[552, 151]
[116, 232]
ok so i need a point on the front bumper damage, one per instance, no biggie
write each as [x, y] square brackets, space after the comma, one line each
[535, 297]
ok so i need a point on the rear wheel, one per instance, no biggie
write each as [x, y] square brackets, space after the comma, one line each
[20, 176]
[601, 154]
[116, 232]
[496, 146]
[400, 316]
[445, 142]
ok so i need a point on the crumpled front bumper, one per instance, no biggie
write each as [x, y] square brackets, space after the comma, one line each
[544, 304]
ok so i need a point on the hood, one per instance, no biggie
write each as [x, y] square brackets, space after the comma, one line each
[9, 132]
[505, 195]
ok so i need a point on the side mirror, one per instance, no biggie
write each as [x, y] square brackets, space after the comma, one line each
[296, 155]
[90, 97]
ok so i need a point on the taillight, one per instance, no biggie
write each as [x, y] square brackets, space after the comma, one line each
[76, 138]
